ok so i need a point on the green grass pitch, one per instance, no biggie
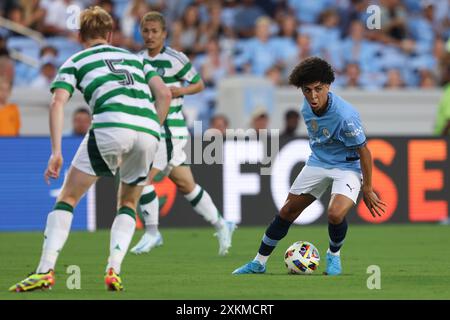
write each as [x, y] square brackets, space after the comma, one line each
[413, 259]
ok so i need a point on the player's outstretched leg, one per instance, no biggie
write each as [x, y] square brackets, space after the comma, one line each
[56, 232]
[152, 238]
[202, 204]
[121, 234]
[276, 231]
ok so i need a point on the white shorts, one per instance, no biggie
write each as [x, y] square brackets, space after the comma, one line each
[316, 180]
[104, 150]
[170, 155]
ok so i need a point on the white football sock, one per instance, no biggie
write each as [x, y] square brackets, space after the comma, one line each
[122, 232]
[149, 204]
[262, 259]
[202, 203]
[337, 253]
[55, 236]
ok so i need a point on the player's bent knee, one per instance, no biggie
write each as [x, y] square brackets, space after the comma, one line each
[289, 213]
[335, 216]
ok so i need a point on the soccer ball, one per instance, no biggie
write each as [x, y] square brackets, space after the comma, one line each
[302, 257]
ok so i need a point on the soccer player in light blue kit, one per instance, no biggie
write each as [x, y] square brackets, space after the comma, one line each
[339, 158]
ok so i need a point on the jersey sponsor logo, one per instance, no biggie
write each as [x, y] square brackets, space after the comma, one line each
[326, 132]
[354, 133]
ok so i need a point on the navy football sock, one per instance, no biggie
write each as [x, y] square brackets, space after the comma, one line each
[337, 234]
[276, 231]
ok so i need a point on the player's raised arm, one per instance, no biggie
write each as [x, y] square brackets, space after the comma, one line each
[373, 203]
[162, 97]
[56, 118]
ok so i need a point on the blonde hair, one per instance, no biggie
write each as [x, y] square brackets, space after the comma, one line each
[95, 23]
[154, 16]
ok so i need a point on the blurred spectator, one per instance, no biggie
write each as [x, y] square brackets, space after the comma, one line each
[9, 113]
[357, 48]
[330, 38]
[308, 11]
[393, 23]
[130, 22]
[48, 52]
[57, 16]
[6, 6]
[427, 79]
[7, 68]
[32, 13]
[287, 36]
[214, 65]
[219, 122]
[186, 33]
[394, 79]
[81, 121]
[351, 78]
[291, 124]
[46, 75]
[229, 11]
[213, 27]
[246, 16]
[259, 119]
[4, 52]
[355, 11]
[303, 50]
[275, 75]
[260, 52]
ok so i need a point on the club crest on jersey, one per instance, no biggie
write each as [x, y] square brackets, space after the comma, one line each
[161, 71]
[314, 125]
[326, 132]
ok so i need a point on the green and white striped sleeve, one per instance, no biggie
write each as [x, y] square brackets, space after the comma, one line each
[66, 78]
[188, 72]
[149, 71]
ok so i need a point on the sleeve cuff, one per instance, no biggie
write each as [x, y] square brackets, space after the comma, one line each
[195, 79]
[357, 146]
[62, 85]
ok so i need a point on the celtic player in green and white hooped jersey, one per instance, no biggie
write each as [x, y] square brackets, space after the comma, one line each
[124, 134]
[175, 69]
[182, 79]
[114, 83]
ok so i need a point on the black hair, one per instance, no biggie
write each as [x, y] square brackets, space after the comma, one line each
[291, 114]
[82, 110]
[310, 70]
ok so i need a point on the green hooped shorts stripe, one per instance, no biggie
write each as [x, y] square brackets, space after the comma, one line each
[61, 205]
[128, 211]
[98, 164]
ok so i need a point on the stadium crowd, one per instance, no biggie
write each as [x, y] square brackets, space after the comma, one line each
[260, 37]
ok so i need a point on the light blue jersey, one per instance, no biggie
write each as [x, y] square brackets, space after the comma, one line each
[335, 135]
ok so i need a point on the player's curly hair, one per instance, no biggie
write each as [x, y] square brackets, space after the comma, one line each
[310, 70]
